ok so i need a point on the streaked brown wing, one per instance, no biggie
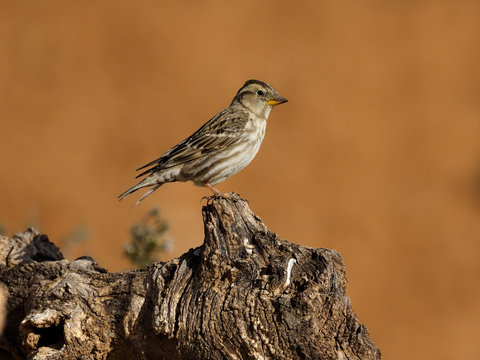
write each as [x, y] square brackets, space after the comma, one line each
[220, 131]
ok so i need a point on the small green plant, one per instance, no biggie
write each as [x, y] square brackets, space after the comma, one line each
[148, 239]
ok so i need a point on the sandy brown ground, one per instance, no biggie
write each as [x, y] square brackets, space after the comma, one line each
[377, 154]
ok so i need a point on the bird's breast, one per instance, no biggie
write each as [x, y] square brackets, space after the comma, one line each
[255, 129]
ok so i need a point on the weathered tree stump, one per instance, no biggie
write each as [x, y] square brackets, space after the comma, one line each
[243, 294]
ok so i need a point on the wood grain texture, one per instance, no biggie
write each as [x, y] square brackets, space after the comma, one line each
[243, 294]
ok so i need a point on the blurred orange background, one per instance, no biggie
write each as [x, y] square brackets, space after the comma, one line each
[377, 153]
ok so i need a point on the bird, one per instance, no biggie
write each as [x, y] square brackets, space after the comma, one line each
[222, 147]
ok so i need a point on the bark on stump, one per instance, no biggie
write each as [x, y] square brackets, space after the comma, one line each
[243, 294]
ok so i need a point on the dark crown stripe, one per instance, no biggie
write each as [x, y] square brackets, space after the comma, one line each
[253, 81]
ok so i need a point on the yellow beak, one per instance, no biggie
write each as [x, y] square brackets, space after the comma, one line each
[277, 99]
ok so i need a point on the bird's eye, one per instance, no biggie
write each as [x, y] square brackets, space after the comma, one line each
[260, 93]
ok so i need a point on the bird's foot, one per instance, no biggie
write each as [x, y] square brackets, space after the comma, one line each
[218, 193]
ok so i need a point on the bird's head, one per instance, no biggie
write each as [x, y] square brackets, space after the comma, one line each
[258, 97]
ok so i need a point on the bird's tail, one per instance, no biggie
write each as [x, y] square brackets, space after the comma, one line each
[140, 185]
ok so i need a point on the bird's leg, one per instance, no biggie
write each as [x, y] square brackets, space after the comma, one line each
[217, 192]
